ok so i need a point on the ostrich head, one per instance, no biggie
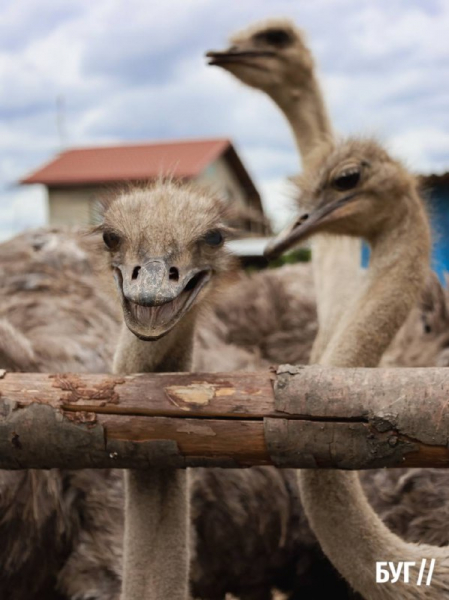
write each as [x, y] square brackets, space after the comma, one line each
[354, 189]
[167, 249]
[270, 56]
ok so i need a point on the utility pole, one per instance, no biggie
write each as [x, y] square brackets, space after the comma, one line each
[60, 121]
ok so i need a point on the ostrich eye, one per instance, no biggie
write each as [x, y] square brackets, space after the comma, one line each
[112, 240]
[346, 180]
[275, 37]
[213, 238]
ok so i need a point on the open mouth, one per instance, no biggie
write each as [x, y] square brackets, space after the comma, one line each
[152, 322]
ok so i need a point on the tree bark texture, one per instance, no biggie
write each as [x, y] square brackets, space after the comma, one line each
[302, 417]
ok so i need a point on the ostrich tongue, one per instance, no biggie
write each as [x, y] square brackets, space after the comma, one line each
[154, 316]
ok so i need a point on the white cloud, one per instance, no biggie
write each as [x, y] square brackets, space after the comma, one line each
[425, 150]
[22, 208]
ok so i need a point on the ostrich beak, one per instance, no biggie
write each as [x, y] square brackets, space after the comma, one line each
[320, 219]
[154, 300]
[236, 55]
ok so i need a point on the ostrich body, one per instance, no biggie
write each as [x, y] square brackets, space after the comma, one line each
[357, 189]
[249, 532]
[54, 317]
[273, 57]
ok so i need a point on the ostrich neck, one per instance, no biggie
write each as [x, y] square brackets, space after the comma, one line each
[157, 524]
[349, 531]
[305, 110]
[398, 266]
[336, 259]
[171, 353]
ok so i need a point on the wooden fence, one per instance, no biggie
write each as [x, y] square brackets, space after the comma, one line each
[303, 417]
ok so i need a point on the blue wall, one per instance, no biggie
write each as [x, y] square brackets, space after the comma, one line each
[439, 216]
[438, 207]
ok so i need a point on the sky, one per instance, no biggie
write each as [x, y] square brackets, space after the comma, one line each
[134, 70]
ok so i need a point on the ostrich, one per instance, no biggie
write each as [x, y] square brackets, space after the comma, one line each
[424, 339]
[273, 57]
[357, 189]
[167, 252]
[51, 304]
[263, 318]
[52, 317]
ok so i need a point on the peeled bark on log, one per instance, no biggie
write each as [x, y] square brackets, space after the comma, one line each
[302, 417]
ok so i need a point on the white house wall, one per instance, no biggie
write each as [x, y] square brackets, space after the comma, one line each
[71, 206]
[221, 178]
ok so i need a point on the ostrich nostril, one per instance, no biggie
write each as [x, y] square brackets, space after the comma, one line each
[135, 274]
[173, 274]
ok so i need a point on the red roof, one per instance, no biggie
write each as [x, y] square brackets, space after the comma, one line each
[181, 159]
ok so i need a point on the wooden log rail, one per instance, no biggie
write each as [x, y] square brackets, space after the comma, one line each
[303, 417]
